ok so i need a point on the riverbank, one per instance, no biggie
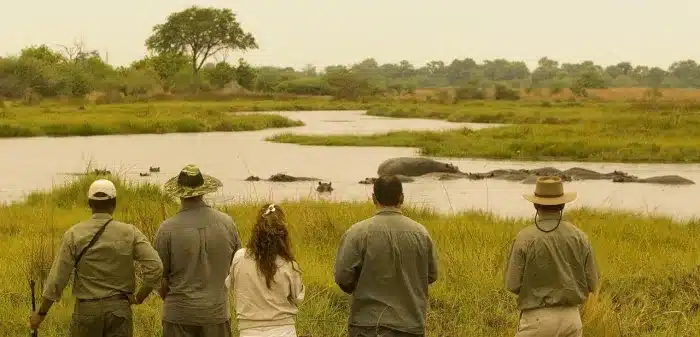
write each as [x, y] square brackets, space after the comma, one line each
[56, 119]
[648, 264]
[611, 132]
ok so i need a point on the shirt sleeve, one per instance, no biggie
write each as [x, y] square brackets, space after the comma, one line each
[162, 246]
[61, 269]
[298, 291]
[147, 257]
[348, 262]
[515, 267]
[433, 264]
[592, 273]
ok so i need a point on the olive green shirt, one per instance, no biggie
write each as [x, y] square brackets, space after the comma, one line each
[107, 268]
[197, 246]
[387, 262]
[554, 268]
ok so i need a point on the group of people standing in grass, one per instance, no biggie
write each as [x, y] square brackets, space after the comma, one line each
[385, 263]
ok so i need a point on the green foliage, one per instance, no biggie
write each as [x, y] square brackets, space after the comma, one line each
[502, 92]
[182, 46]
[245, 74]
[469, 93]
[165, 65]
[200, 33]
[305, 86]
[350, 84]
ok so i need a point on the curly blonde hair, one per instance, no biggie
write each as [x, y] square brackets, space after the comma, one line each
[270, 239]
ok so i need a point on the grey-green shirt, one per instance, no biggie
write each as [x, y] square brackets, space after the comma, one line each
[107, 268]
[554, 268]
[387, 262]
[197, 246]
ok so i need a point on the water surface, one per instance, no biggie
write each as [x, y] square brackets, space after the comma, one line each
[39, 163]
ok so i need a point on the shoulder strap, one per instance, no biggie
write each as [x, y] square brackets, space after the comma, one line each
[92, 242]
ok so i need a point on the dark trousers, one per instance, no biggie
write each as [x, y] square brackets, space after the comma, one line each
[377, 331]
[179, 330]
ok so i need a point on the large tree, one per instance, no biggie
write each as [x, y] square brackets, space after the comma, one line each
[200, 33]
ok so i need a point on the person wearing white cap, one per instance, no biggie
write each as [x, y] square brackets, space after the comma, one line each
[100, 252]
[551, 266]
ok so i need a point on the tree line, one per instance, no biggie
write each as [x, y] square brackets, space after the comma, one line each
[188, 53]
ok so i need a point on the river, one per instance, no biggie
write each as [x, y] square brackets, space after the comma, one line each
[40, 163]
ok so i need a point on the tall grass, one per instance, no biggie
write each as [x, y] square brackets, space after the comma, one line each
[648, 265]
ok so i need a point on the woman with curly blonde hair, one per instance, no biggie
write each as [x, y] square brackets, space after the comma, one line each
[266, 279]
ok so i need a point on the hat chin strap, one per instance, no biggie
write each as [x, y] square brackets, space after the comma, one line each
[561, 214]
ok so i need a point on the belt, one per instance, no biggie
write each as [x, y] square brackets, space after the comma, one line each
[122, 296]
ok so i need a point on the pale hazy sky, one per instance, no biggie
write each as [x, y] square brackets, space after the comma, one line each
[324, 32]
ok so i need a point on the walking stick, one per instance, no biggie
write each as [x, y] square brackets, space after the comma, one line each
[34, 333]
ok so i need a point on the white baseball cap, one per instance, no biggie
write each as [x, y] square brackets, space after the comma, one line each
[104, 186]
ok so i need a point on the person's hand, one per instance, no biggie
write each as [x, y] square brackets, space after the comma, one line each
[35, 320]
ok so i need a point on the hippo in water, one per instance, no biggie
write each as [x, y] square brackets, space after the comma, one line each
[403, 179]
[663, 180]
[324, 187]
[413, 167]
[586, 174]
[281, 177]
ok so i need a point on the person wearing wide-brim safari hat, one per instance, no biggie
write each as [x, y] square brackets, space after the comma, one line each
[551, 266]
[196, 245]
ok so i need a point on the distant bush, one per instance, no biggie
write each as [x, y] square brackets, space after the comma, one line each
[305, 86]
[467, 93]
[502, 92]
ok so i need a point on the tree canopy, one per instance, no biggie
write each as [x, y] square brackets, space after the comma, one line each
[200, 33]
[182, 49]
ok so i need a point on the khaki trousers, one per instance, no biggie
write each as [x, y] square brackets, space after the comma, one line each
[550, 322]
[106, 318]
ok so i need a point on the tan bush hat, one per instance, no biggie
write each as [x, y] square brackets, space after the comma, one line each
[550, 191]
[191, 183]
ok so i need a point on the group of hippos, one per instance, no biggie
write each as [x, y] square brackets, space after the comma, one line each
[407, 169]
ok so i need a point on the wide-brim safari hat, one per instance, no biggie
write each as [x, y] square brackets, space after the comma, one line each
[550, 191]
[191, 183]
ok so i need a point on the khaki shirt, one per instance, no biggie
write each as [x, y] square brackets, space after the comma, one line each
[107, 268]
[387, 262]
[557, 268]
[197, 246]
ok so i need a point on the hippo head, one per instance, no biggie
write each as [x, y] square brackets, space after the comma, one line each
[324, 187]
[623, 179]
[451, 168]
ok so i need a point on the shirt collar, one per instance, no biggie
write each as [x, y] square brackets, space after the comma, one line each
[190, 204]
[101, 216]
[548, 216]
[388, 210]
[548, 221]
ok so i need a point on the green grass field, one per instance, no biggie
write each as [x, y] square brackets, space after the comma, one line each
[648, 265]
[56, 119]
[569, 131]
[575, 131]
